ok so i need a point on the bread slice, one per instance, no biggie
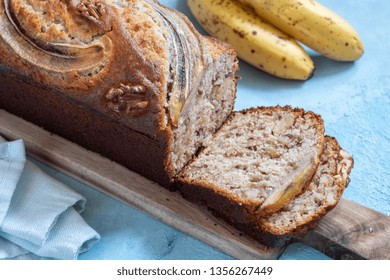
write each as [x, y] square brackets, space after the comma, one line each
[229, 176]
[258, 161]
[302, 213]
[208, 107]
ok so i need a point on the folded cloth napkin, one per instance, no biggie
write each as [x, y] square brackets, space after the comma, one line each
[39, 216]
[9, 250]
[12, 159]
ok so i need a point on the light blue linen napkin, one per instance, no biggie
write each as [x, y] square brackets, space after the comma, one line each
[38, 214]
[9, 250]
[12, 159]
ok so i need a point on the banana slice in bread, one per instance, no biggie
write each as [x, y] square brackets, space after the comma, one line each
[284, 193]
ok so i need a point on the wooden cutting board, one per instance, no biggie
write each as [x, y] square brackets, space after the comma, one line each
[350, 231]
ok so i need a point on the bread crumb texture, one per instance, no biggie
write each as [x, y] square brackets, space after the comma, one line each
[258, 150]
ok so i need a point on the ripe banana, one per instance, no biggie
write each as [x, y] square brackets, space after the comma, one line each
[312, 24]
[255, 40]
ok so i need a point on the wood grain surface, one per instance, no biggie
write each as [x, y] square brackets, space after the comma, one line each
[350, 231]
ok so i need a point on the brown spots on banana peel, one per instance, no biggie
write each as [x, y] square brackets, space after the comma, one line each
[239, 33]
[314, 25]
[256, 41]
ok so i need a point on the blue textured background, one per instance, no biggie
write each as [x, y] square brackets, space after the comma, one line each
[354, 100]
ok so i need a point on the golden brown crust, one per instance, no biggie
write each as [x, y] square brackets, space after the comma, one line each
[219, 47]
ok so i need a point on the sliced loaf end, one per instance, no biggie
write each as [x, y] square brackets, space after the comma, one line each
[322, 194]
[301, 214]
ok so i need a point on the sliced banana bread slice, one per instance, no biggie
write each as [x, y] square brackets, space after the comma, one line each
[302, 213]
[258, 161]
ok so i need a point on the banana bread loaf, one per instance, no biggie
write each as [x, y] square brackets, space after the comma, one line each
[129, 79]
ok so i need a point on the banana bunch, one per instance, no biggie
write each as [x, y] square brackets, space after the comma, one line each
[265, 33]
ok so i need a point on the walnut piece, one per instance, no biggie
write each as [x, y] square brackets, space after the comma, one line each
[130, 99]
[91, 9]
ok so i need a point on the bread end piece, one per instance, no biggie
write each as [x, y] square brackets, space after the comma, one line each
[320, 197]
